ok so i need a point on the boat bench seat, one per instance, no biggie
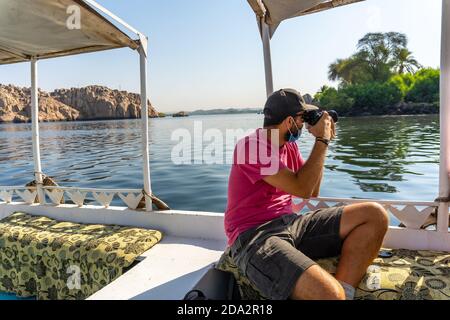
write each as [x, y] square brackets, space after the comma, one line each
[407, 275]
[54, 260]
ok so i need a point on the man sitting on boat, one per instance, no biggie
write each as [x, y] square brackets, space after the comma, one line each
[275, 248]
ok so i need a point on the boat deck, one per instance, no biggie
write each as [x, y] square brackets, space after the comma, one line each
[173, 266]
[167, 271]
[170, 269]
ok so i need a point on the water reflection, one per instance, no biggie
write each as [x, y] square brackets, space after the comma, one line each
[375, 151]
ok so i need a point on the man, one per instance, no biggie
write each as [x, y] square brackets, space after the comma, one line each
[275, 248]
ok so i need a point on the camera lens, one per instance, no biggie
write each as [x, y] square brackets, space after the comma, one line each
[334, 115]
[313, 116]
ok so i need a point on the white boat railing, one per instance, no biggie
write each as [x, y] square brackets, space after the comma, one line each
[58, 195]
[409, 235]
[412, 214]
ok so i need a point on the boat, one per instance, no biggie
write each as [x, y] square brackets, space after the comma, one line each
[33, 30]
[180, 114]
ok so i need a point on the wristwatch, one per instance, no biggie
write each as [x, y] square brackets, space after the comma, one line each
[326, 141]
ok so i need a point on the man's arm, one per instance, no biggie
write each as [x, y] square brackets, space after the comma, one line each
[302, 183]
[316, 191]
[306, 182]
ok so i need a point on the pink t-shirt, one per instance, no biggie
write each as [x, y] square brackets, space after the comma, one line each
[251, 200]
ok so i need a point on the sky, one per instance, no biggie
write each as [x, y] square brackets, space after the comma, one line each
[206, 54]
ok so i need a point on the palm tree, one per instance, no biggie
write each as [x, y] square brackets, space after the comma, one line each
[404, 61]
[334, 70]
[323, 88]
[349, 71]
[379, 50]
[319, 93]
[381, 47]
[379, 55]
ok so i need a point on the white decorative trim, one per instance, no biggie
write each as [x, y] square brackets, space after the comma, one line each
[390, 202]
[27, 196]
[405, 211]
[298, 207]
[130, 197]
[409, 213]
[6, 195]
[55, 195]
[104, 198]
[131, 200]
[77, 197]
[319, 205]
[410, 216]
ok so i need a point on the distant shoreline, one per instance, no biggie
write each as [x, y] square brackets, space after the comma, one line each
[216, 114]
[403, 108]
[97, 103]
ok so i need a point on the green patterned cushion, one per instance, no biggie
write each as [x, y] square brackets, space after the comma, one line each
[38, 255]
[407, 275]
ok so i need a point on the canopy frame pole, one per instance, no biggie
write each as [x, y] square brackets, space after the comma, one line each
[112, 16]
[444, 172]
[444, 168]
[144, 115]
[35, 131]
[265, 34]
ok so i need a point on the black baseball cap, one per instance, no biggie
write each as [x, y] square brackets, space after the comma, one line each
[282, 104]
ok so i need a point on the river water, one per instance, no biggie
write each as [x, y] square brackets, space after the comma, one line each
[395, 157]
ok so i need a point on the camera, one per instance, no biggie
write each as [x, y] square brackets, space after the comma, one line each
[311, 117]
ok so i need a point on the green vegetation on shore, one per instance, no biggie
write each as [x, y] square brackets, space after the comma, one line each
[382, 77]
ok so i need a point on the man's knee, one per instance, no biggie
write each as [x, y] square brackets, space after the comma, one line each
[377, 216]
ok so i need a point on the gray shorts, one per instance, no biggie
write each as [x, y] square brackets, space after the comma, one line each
[274, 255]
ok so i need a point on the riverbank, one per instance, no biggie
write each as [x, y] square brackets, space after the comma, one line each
[97, 103]
[403, 110]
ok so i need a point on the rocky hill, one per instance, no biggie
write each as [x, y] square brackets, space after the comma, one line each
[15, 105]
[88, 103]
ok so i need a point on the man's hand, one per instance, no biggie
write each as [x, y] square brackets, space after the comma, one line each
[325, 128]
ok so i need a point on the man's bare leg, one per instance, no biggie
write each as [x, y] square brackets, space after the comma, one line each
[363, 227]
[317, 284]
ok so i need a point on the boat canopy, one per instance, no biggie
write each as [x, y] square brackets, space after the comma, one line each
[42, 29]
[273, 12]
[31, 30]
